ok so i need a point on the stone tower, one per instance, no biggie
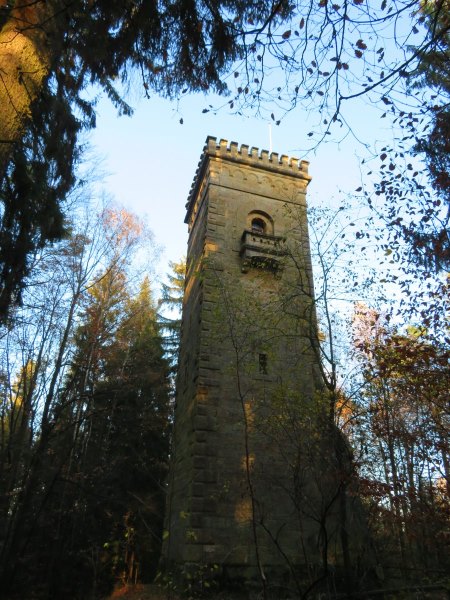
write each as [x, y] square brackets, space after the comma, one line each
[243, 492]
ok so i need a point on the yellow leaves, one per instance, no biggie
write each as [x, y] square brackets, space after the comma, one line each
[344, 410]
[121, 225]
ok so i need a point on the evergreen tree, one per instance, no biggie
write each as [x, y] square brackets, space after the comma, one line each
[50, 51]
[171, 303]
[64, 417]
[434, 73]
[103, 474]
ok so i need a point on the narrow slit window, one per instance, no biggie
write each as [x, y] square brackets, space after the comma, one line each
[263, 364]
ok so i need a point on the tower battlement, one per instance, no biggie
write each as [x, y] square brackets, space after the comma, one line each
[246, 155]
[255, 157]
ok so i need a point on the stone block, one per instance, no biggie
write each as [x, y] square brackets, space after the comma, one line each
[201, 436]
[202, 461]
[204, 422]
[203, 505]
[205, 476]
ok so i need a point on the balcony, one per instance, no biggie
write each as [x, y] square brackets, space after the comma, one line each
[261, 250]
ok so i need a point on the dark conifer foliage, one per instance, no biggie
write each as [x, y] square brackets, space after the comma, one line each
[106, 509]
[171, 304]
[55, 50]
[434, 73]
[37, 182]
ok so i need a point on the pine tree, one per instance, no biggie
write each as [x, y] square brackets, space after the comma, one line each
[171, 303]
[50, 51]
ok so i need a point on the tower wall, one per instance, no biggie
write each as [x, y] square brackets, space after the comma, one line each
[248, 374]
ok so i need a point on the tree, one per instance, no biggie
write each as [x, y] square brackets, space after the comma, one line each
[171, 302]
[433, 72]
[411, 190]
[50, 422]
[106, 508]
[404, 431]
[35, 191]
[394, 57]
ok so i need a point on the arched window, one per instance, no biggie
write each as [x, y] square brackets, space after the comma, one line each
[259, 222]
[258, 225]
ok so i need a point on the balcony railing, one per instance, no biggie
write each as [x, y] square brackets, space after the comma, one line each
[261, 250]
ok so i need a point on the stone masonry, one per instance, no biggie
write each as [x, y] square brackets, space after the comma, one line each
[241, 471]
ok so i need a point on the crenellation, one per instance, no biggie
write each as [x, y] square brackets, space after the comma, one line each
[211, 143]
[253, 155]
[304, 165]
[242, 155]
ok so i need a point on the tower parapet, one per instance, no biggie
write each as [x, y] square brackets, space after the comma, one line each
[245, 155]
